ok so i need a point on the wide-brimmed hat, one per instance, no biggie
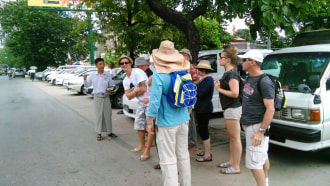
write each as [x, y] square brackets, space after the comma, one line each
[253, 54]
[167, 59]
[140, 61]
[124, 56]
[204, 64]
[186, 51]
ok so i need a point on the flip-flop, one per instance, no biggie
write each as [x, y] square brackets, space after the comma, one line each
[112, 135]
[203, 159]
[157, 166]
[137, 150]
[200, 153]
[99, 138]
[144, 157]
[228, 170]
[224, 164]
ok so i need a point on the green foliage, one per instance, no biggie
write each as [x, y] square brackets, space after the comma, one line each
[39, 38]
[243, 33]
[289, 15]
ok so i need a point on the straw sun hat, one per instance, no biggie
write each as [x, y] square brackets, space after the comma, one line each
[167, 59]
[124, 56]
[204, 64]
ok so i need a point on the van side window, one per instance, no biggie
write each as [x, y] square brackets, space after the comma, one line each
[212, 59]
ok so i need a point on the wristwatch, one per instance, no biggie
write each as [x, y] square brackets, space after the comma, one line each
[262, 130]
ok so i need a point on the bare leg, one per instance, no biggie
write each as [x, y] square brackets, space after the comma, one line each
[235, 145]
[149, 145]
[141, 147]
[266, 170]
[259, 176]
[207, 149]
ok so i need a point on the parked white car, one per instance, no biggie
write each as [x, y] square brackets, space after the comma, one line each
[76, 84]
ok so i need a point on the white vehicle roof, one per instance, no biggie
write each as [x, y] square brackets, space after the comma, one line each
[302, 49]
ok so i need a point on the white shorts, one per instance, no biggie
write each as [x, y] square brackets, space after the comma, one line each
[233, 113]
[255, 157]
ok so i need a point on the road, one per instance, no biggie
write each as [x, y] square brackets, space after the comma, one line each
[47, 138]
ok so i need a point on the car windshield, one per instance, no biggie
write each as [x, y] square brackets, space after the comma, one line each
[295, 70]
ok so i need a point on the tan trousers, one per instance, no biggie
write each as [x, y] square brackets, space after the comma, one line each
[172, 143]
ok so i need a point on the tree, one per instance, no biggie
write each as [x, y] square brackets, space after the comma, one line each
[262, 16]
[243, 33]
[39, 38]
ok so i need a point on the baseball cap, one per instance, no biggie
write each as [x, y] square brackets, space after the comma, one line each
[253, 54]
[146, 56]
[140, 61]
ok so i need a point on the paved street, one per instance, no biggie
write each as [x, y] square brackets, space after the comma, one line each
[47, 138]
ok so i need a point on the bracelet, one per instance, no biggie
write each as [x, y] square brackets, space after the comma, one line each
[149, 123]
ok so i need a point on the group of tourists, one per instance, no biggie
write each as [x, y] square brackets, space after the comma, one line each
[176, 132]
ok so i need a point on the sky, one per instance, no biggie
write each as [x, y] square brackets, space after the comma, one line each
[239, 24]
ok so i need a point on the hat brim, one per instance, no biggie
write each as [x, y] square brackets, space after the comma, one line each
[202, 66]
[170, 65]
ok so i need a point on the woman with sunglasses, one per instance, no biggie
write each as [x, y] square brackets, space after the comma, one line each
[228, 87]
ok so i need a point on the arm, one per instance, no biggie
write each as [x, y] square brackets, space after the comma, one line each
[270, 110]
[87, 81]
[233, 85]
[138, 91]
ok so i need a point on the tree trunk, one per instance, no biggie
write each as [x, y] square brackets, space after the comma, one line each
[183, 22]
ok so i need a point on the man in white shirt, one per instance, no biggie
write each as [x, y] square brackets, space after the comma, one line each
[101, 81]
[136, 85]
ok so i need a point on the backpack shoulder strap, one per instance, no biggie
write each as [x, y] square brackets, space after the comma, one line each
[259, 80]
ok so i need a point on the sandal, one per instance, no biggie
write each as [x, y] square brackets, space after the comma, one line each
[144, 157]
[112, 135]
[200, 153]
[229, 170]
[203, 159]
[224, 164]
[157, 166]
[99, 137]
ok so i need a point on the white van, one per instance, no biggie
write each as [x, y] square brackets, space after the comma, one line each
[304, 73]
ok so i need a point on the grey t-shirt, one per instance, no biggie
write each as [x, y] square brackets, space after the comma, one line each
[253, 108]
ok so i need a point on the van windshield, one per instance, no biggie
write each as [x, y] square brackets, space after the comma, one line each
[297, 71]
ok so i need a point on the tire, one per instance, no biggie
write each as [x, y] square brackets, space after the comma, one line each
[118, 101]
[82, 91]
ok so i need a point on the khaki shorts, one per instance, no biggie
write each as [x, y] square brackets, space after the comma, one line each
[233, 113]
[255, 157]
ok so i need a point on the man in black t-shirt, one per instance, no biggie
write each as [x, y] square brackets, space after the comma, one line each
[257, 113]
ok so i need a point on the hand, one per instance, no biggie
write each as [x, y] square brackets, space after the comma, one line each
[257, 138]
[85, 76]
[109, 90]
[150, 80]
[145, 100]
[150, 129]
[217, 84]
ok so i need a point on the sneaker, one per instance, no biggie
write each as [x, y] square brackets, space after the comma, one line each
[192, 146]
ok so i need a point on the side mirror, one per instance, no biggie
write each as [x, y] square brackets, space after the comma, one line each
[314, 81]
[328, 84]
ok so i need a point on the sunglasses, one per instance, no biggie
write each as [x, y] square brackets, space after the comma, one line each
[246, 59]
[223, 57]
[125, 62]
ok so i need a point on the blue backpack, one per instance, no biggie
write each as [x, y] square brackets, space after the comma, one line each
[182, 91]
